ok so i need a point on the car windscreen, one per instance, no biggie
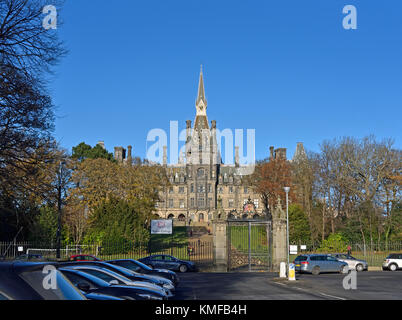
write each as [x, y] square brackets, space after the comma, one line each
[62, 289]
[131, 265]
[109, 276]
[301, 258]
[94, 282]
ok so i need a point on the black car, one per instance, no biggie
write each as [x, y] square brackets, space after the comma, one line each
[95, 288]
[140, 267]
[169, 262]
[133, 276]
[24, 281]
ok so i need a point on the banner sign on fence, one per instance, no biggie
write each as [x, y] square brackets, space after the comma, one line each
[162, 226]
[303, 247]
[293, 249]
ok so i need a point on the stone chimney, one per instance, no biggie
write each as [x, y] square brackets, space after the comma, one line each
[271, 152]
[213, 124]
[164, 155]
[280, 153]
[119, 154]
[129, 156]
[237, 158]
[188, 139]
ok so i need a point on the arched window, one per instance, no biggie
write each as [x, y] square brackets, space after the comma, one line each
[171, 216]
[182, 217]
[201, 217]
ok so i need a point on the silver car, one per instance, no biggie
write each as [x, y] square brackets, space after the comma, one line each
[115, 278]
[319, 263]
[393, 262]
[353, 263]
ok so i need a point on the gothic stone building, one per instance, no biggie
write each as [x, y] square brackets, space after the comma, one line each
[202, 187]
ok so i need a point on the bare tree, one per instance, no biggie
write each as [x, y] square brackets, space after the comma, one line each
[25, 44]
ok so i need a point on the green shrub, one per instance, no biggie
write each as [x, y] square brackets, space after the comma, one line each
[334, 243]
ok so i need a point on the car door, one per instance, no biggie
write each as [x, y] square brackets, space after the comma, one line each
[345, 258]
[333, 265]
[170, 263]
[322, 263]
[157, 261]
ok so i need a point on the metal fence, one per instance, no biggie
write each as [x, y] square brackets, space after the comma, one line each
[201, 252]
[373, 253]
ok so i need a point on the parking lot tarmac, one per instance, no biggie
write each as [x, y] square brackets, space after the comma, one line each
[266, 286]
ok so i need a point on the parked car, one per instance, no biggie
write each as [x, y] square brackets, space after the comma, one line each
[99, 296]
[84, 257]
[30, 257]
[319, 263]
[168, 262]
[95, 288]
[353, 263]
[131, 275]
[24, 281]
[114, 278]
[140, 267]
[393, 262]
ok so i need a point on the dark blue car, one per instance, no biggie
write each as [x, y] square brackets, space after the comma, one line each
[164, 261]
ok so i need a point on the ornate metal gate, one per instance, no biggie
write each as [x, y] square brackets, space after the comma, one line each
[249, 245]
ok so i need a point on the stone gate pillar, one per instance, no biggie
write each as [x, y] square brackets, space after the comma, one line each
[220, 245]
[279, 239]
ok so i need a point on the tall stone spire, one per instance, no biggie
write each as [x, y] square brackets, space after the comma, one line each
[201, 90]
[201, 121]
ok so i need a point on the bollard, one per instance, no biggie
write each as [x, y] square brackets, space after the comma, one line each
[292, 272]
[282, 270]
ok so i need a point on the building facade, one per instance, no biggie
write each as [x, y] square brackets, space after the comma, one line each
[202, 188]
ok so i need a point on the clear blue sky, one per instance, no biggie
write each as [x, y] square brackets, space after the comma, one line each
[286, 68]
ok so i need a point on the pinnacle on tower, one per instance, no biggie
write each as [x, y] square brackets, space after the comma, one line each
[201, 90]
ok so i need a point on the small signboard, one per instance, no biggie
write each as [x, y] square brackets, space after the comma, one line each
[20, 249]
[293, 249]
[303, 247]
[162, 226]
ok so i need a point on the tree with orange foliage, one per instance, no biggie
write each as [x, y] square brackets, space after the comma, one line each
[269, 179]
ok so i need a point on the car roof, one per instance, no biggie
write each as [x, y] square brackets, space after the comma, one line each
[82, 255]
[88, 276]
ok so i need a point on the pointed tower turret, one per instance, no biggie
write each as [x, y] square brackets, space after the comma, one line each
[201, 121]
[201, 90]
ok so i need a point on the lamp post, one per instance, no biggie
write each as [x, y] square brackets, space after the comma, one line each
[287, 224]
[59, 204]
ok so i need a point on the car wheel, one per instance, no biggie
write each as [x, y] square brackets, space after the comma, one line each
[392, 267]
[316, 271]
[183, 268]
[359, 268]
[342, 270]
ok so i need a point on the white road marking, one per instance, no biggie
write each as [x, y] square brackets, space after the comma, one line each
[335, 297]
[307, 291]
